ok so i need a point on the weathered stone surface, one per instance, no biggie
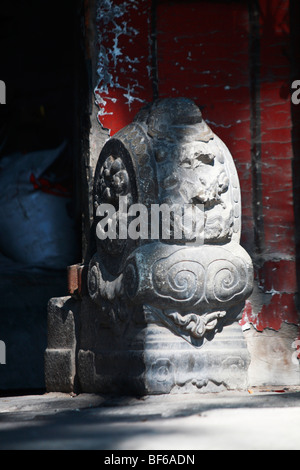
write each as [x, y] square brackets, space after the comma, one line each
[60, 355]
[162, 307]
[273, 355]
[60, 370]
[157, 361]
[169, 155]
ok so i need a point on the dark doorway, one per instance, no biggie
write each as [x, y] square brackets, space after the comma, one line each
[42, 66]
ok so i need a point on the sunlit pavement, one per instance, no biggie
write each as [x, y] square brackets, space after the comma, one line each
[250, 420]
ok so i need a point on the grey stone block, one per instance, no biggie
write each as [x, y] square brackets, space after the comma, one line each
[60, 355]
[60, 370]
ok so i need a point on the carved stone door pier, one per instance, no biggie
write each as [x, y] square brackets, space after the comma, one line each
[158, 313]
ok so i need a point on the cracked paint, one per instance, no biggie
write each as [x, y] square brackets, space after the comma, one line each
[123, 41]
[280, 309]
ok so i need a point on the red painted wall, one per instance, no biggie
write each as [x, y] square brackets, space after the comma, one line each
[235, 61]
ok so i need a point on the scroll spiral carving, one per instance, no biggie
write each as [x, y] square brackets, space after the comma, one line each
[226, 279]
[192, 282]
[181, 281]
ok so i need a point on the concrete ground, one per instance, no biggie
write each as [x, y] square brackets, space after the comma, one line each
[250, 420]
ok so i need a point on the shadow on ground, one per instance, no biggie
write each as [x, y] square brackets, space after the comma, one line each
[214, 421]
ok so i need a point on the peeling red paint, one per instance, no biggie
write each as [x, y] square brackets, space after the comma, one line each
[124, 61]
[281, 308]
[276, 277]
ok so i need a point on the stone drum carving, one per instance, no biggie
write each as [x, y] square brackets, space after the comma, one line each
[168, 277]
[169, 158]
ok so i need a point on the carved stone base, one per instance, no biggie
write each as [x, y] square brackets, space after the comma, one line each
[139, 357]
[167, 366]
